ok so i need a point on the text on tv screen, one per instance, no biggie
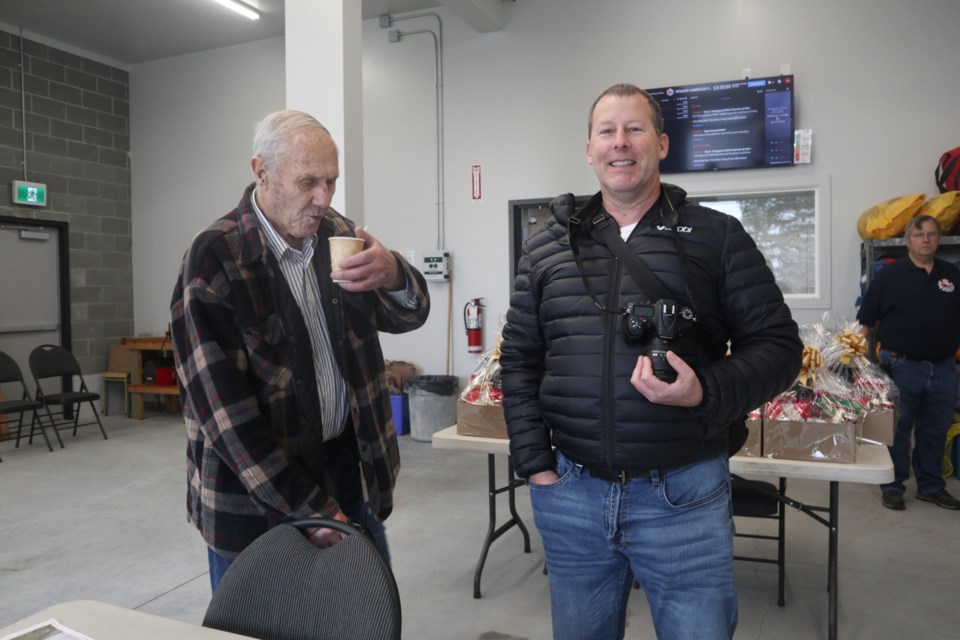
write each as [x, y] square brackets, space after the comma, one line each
[738, 124]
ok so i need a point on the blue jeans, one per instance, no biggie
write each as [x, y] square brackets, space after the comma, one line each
[219, 564]
[673, 532]
[928, 393]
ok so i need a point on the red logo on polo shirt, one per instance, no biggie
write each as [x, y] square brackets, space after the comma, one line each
[945, 285]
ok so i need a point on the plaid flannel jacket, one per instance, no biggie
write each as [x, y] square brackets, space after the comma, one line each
[248, 387]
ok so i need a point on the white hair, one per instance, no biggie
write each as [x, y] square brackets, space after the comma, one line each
[272, 135]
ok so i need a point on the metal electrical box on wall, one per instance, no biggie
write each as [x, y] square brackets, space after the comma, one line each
[436, 266]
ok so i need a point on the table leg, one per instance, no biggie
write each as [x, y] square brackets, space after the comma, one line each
[512, 484]
[493, 532]
[832, 562]
[832, 522]
[781, 544]
[136, 377]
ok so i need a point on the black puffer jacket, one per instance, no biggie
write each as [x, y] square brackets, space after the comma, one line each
[566, 367]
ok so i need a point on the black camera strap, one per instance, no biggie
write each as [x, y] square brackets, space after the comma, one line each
[592, 218]
[636, 268]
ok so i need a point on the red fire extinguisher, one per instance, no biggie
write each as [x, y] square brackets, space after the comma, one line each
[473, 321]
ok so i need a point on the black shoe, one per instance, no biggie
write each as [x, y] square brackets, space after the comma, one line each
[940, 498]
[893, 499]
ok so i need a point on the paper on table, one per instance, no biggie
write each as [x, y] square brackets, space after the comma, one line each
[47, 630]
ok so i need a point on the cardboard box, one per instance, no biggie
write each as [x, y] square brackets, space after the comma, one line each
[814, 441]
[484, 420]
[753, 447]
[400, 404]
[879, 427]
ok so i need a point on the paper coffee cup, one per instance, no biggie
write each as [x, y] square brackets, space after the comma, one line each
[341, 248]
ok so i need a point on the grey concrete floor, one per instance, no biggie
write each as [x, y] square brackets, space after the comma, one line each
[105, 520]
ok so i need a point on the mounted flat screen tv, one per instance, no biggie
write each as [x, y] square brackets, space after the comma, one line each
[739, 124]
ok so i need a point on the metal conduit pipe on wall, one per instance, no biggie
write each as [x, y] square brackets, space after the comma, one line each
[395, 36]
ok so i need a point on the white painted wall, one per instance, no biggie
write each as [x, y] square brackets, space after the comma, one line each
[868, 83]
[191, 132]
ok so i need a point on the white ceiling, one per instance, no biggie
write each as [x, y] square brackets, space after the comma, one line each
[134, 31]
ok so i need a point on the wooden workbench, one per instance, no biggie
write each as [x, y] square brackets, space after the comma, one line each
[137, 388]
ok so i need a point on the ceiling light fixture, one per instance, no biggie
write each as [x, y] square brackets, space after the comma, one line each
[240, 8]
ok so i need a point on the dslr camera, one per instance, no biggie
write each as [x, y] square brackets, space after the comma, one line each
[657, 326]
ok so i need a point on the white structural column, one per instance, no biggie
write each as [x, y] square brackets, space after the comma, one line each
[323, 78]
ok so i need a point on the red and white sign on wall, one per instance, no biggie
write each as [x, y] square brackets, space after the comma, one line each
[475, 171]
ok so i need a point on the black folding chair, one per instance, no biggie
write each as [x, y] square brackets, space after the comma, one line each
[51, 361]
[755, 499]
[10, 374]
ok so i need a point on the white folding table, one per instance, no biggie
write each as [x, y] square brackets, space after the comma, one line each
[873, 466]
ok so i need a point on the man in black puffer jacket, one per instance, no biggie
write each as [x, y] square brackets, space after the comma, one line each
[626, 449]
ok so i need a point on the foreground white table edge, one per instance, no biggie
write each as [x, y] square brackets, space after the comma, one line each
[873, 466]
[102, 621]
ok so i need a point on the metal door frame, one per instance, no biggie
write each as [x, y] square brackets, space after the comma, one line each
[63, 265]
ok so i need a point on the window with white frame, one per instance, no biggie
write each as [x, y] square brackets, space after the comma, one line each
[789, 224]
[783, 223]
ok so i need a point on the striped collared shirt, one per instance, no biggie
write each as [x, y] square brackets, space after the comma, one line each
[302, 279]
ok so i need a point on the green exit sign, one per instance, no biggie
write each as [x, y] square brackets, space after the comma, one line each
[33, 194]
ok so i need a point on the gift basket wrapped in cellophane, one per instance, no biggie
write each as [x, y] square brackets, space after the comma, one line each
[818, 417]
[480, 406]
[845, 352]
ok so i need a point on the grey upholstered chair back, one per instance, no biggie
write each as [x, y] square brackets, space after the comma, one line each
[282, 587]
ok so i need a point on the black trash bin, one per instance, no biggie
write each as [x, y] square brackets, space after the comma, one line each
[433, 405]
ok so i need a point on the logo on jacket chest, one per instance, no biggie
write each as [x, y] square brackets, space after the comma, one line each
[945, 285]
[680, 228]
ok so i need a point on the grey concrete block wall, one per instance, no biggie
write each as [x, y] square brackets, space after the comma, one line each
[77, 142]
